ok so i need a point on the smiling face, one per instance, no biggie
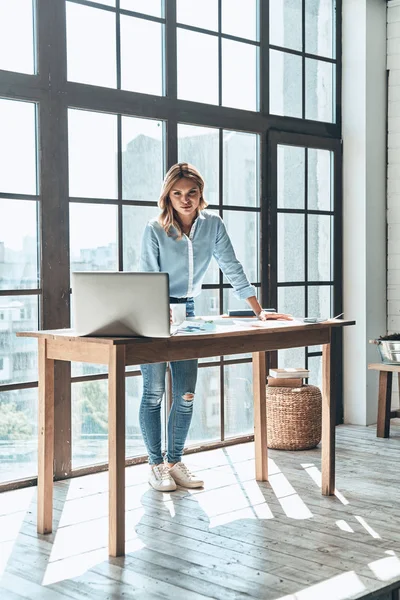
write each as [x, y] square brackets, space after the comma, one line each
[185, 198]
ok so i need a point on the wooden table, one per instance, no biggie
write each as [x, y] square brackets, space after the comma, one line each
[118, 353]
[385, 397]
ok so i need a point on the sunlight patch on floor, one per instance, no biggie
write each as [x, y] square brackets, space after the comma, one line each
[77, 548]
[344, 526]
[340, 497]
[73, 566]
[292, 504]
[11, 522]
[313, 472]
[315, 475]
[385, 568]
[371, 531]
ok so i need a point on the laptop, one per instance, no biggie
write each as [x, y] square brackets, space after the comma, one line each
[120, 304]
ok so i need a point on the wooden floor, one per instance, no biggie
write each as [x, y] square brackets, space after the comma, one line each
[236, 539]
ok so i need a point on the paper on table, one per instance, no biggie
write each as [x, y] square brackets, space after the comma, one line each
[269, 323]
[193, 327]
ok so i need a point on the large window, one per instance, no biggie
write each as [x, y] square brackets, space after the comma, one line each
[19, 288]
[97, 101]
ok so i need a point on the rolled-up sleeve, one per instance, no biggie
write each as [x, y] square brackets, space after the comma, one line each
[150, 251]
[230, 266]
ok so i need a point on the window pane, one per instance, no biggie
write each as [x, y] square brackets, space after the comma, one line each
[241, 169]
[315, 368]
[291, 300]
[93, 248]
[89, 405]
[18, 356]
[238, 392]
[199, 146]
[240, 18]
[148, 7]
[143, 143]
[18, 147]
[91, 45]
[239, 75]
[292, 358]
[134, 441]
[320, 18]
[320, 174]
[284, 24]
[141, 56]
[319, 248]
[244, 230]
[206, 408]
[18, 434]
[207, 303]
[18, 245]
[291, 171]
[135, 219]
[319, 301]
[233, 303]
[319, 90]
[106, 2]
[197, 66]
[92, 152]
[200, 13]
[212, 274]
[290, 248]
[285, 84]
[16, 36]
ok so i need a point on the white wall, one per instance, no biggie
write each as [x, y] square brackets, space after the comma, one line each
[393, 176]
[364, 200]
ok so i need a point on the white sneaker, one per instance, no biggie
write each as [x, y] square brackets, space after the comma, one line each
[182, 476]
[161, 480]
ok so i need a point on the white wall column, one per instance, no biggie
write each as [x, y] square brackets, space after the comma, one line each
[364, 200]
[393, 175]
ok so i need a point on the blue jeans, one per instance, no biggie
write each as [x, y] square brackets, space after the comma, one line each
[184, 377]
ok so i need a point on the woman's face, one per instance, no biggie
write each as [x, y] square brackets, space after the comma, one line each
[185, 198]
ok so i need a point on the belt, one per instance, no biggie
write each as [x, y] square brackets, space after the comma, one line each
[180, 300]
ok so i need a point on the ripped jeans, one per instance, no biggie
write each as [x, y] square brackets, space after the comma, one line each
[184, 377]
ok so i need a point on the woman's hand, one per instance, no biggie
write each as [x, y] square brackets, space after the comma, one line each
[264, 316]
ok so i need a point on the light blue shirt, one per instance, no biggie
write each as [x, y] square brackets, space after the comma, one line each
[186, 260]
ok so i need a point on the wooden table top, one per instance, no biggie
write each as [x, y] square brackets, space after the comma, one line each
[225, 328]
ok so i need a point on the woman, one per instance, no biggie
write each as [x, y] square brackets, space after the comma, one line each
[182, 242]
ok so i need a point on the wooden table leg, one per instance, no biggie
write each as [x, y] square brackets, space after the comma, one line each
[384, 402]
[328, 425]
[116, 450]
[46, 440]
[260, 416]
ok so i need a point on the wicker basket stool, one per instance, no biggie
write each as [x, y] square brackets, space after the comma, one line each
[294, 417]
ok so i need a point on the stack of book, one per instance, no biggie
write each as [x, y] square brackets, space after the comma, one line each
[290, 377]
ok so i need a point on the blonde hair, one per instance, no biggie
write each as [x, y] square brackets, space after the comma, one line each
[168, 217]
